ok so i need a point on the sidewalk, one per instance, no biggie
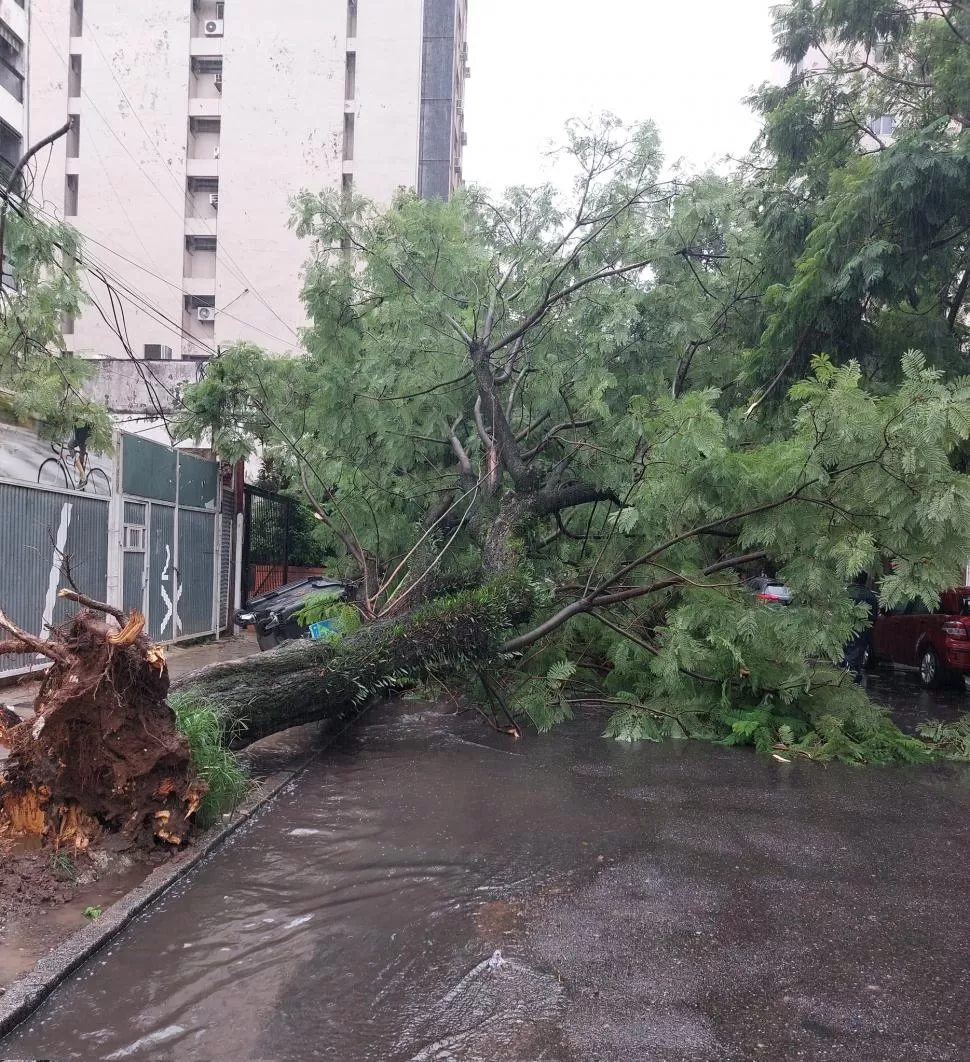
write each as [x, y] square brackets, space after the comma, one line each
[21, 697]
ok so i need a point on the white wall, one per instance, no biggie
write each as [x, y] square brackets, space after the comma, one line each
[282, 115]
[388, 104]
[131, 165]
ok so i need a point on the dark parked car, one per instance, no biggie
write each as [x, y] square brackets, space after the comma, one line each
[936, 644]
[274, 613]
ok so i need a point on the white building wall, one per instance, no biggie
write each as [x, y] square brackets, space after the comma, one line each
[387, 107]
[13, 17]
[282, 119]
[157, 138]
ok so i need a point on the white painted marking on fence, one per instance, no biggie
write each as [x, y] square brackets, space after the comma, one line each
[54, 579]
[172, 606]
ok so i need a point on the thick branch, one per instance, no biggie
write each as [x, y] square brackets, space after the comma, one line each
[34, 645]
[90, 602]
[555, 501]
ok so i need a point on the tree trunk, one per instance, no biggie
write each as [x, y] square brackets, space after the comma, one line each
[104, 751]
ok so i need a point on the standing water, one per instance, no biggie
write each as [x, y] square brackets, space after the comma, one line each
[430, 891]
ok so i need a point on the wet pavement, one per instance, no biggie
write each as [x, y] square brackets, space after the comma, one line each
[429, 891]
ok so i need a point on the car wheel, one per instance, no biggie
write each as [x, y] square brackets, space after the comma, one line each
[266, 641]
[930, 669]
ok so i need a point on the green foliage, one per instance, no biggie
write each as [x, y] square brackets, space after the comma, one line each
[62, 866]
[950, 741]
[38, 381]
[326, 606]
[543, 699]
[209, 741]
[93, 913]
[865, 234]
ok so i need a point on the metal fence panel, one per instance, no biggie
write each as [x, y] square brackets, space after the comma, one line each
[133, 582]
[37, 525]
[196, 572]
[162, 591]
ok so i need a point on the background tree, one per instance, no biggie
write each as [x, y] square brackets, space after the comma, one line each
[864, 165]
[41, 287]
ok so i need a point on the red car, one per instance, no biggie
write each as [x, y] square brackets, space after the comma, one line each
[937, 644]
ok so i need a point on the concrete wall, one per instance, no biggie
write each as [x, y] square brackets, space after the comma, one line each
[123, 386]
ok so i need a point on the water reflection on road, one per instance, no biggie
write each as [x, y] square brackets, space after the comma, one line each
[431, 891]
[903, 694]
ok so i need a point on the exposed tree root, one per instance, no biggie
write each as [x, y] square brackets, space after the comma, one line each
[103, 750]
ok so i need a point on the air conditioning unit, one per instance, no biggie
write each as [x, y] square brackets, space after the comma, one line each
[214, 200]
[217, 80]
[157, 352]
[215, 152]
[206, 313]
[214, 27]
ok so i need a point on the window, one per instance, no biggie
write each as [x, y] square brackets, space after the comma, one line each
[348, 185]
[11, 145]
[350, 91]
[77, 17]
[351, 18]
[74, 138]
[70, 195]
[203, 185]
[200, 243]
[884, 125]
[74, 77]
[201, 126]
[206, 64]
[11, 80]
[220, 9]
[348, 137]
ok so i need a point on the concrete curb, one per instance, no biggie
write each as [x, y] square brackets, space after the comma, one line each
[23, 996]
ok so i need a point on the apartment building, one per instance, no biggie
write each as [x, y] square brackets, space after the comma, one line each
[13, 64]
[197, 121]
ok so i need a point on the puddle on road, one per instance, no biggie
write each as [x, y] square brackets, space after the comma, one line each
[434, 893]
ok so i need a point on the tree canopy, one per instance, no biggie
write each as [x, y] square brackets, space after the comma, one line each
[565, 384]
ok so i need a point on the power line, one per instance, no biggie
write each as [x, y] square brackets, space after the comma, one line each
[155, 276]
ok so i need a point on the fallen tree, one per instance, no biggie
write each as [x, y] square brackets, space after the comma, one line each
[104, 751]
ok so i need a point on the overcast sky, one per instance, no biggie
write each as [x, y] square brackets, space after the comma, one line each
[686, 64]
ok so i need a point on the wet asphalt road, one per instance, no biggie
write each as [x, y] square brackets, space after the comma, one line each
[669, 903]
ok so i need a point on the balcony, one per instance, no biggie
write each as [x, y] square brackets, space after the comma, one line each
[15, 17]
[199, 286]
[202, 167]
[211, 46]
[202, 107]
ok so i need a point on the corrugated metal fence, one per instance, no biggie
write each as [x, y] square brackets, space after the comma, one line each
[37, 527]
[159, 546]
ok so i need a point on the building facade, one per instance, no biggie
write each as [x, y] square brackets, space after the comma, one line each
[197, 121]
[13, 66]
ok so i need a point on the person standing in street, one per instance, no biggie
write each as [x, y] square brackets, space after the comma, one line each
[856, 650]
